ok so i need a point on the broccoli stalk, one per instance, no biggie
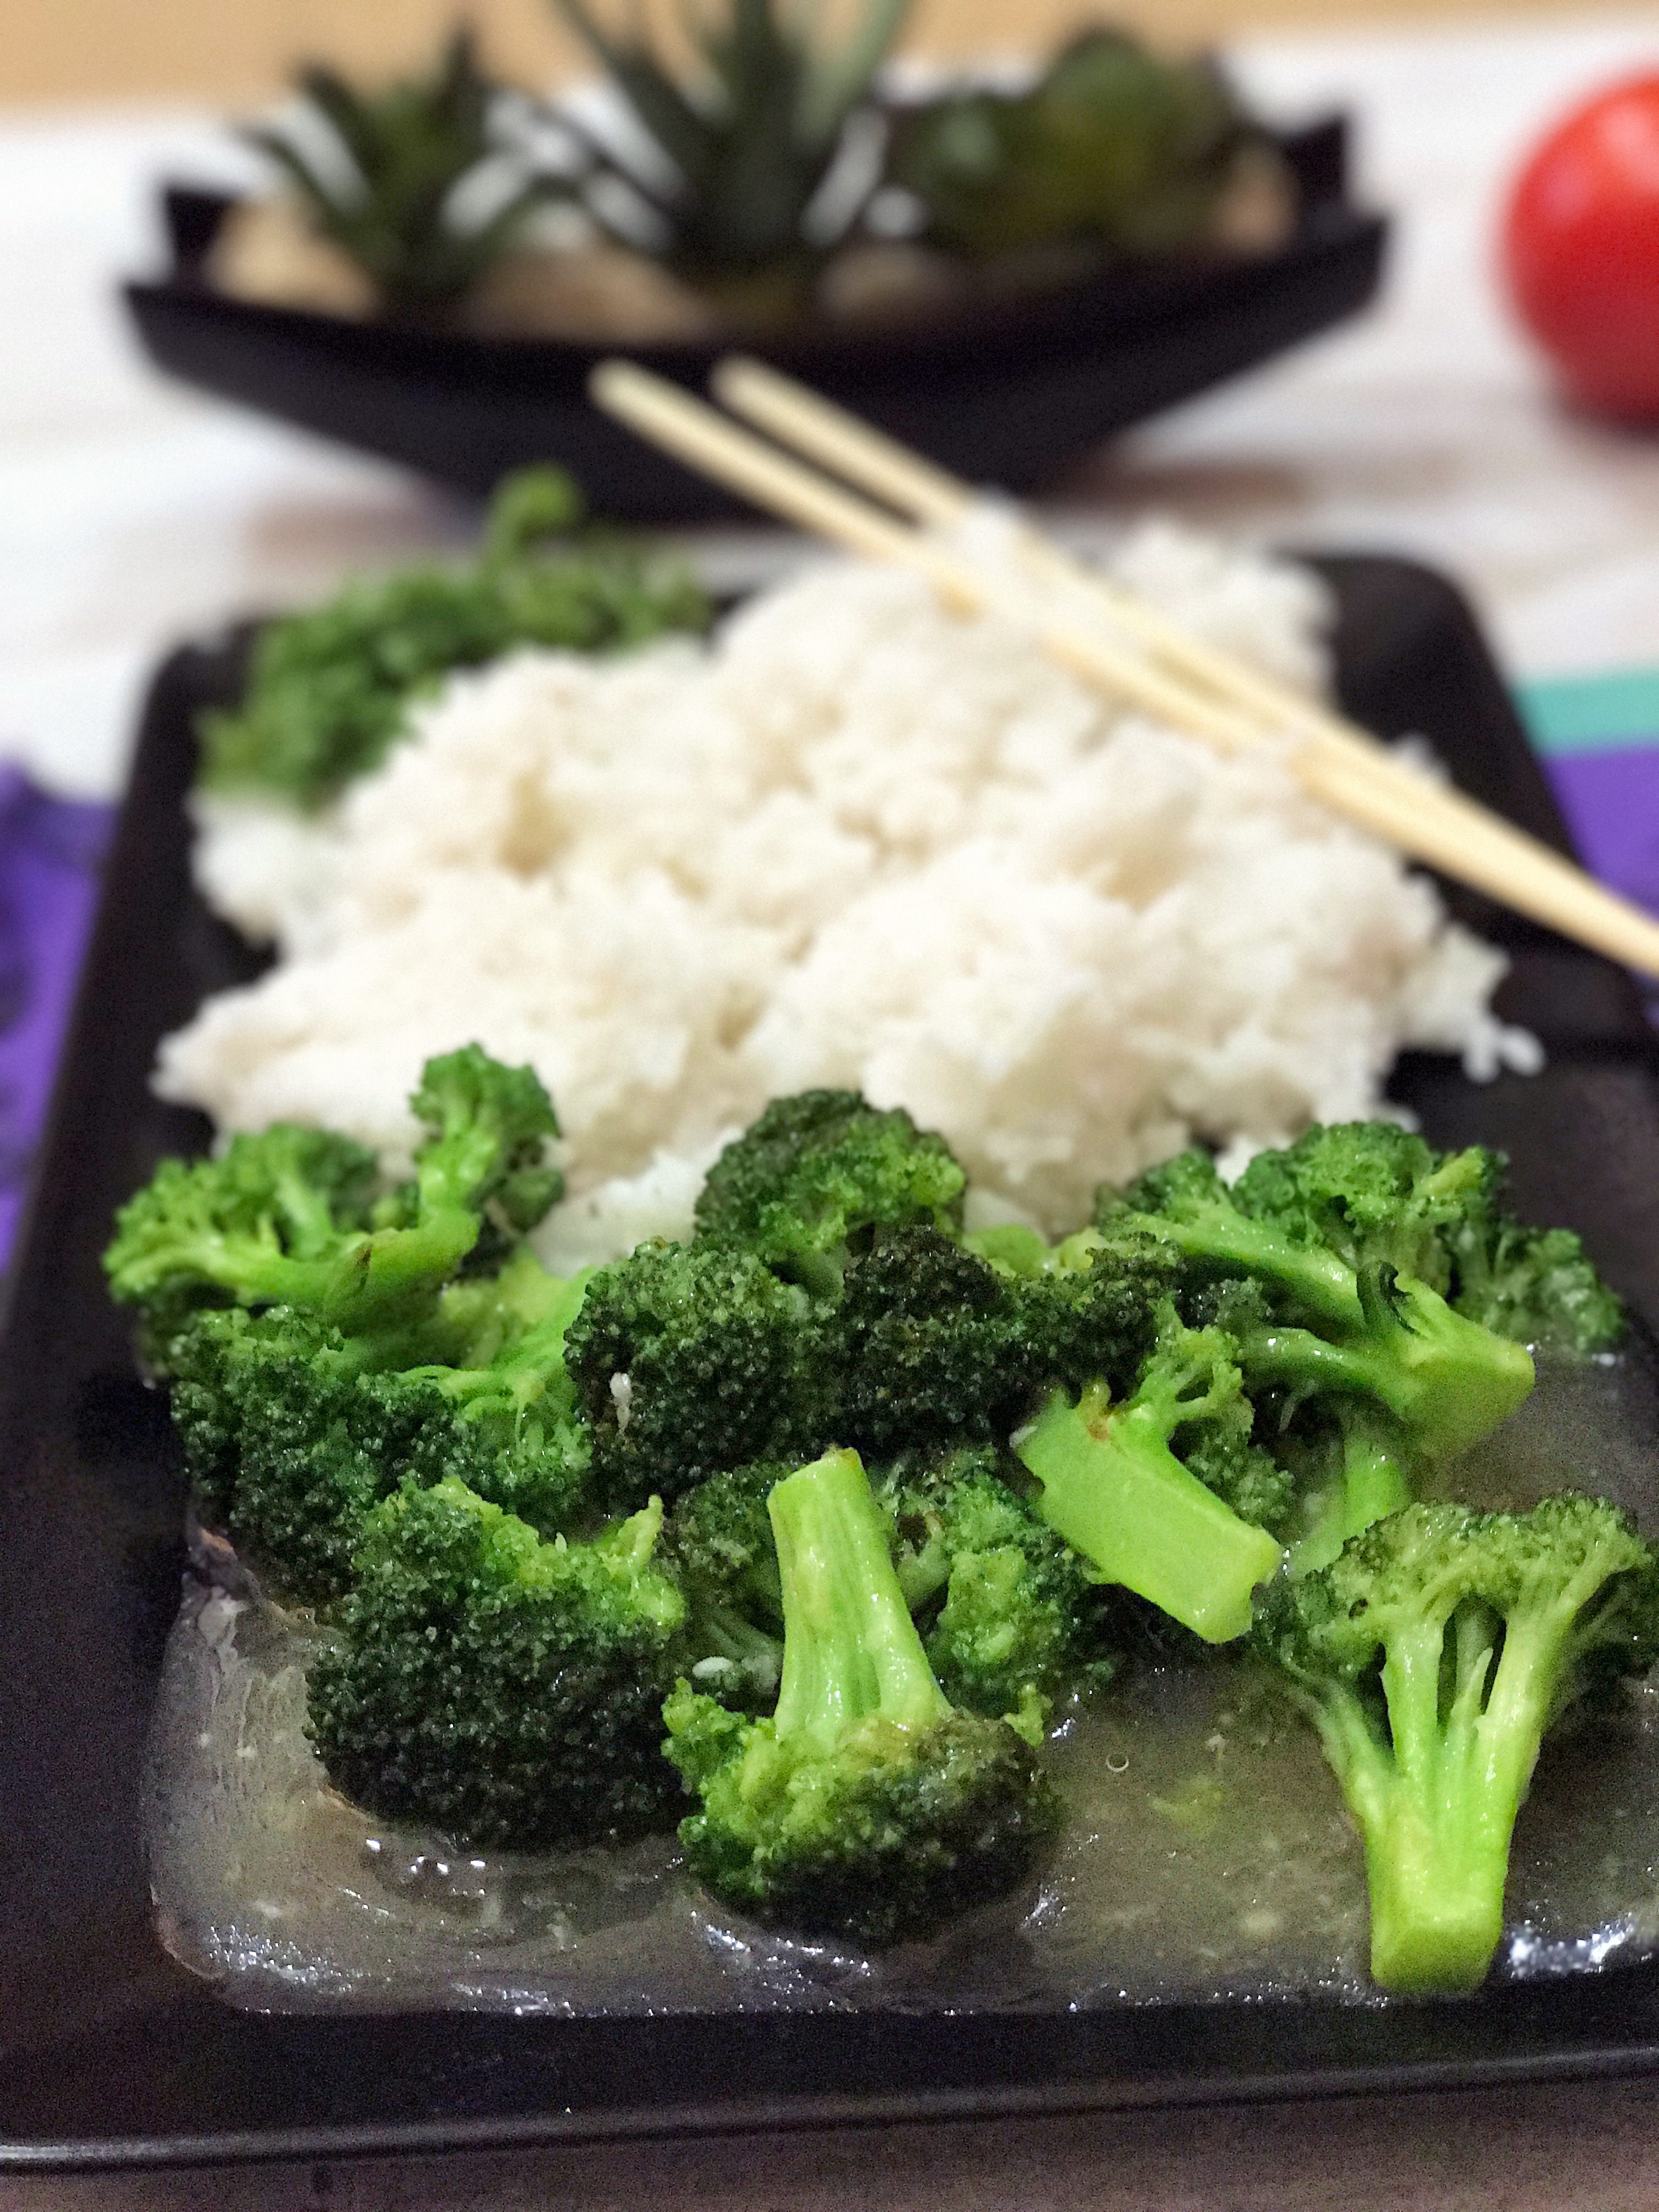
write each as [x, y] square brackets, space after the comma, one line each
[1487, 1627]
[1370, 1477]
[1446, 1381]
[850, 1647]
[866, 1806]
[1113, 1487]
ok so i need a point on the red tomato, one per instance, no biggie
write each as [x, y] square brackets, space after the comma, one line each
[1581, 249]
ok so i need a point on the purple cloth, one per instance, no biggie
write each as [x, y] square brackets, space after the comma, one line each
[1611, 802]
[51, 853]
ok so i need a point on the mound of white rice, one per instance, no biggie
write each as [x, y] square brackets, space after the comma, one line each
[854, 840]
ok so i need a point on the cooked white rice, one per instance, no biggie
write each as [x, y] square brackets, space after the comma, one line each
[854, 840]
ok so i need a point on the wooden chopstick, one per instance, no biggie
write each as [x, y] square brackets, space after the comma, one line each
[671, 418]
[799, 417]
[1348, 771]
[1348, 761]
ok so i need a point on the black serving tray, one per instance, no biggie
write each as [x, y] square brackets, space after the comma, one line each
[1006, 391]
[109, 2053]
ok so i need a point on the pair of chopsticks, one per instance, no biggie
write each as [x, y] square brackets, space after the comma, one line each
[1103, 632]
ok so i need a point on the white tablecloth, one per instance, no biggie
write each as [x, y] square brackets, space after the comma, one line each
[132, 512]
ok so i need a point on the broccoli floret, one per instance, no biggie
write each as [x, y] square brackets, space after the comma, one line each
[1376, 1194]
[269, 1221]
[293, 1431]
[281, 1449]
[1185, 1204]
[816, 1173]
[1371, 1191]
[1446, 1381]
[1009, 1615]
[1431, 1655]
[867, 1806]
[1367, 1194]
[1323, 1229]
[489, 1126]
[1537, 1285]
[1020, 1621]
[509, 1427]
[717, 1542]
[1112, 1486]
[718, 1538]
[505, 1690]
[931, 1346]
[285, 1218]
[328, 691]
[690, 1360]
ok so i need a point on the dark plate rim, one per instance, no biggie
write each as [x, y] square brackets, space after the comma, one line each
[810, 2114]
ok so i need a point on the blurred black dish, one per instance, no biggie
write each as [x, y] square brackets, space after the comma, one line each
[112, 2054]
[1007, 390]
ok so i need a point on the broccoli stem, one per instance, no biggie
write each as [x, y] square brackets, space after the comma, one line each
[1372, 1482]
[850, 1648]
[1438, 1808]
[1112, 1487]
[1318, 1279]
[1446, 1380]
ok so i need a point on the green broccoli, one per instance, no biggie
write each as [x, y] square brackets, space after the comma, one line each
[276, 1445]
[505, 1690]
[284, 1217]
[1009, 1615]
[931, 1346]
[1307, 1220]
[1355, 1466]
[690, 1360]
[1446, 1381]
[1185, 1204]
[1379, 1194]
[293, 1431]
[1022, 1621]
[822, 1303]
[330, 690]
[1431, 1655]
[816, 1173]
[717, 1542]
[866, 1806]
[1537, 1285]
[1351, 1239]
[1113, 1487]
[1371, 1191]
[489, 1128]
[269, 1221]
[718, 1537]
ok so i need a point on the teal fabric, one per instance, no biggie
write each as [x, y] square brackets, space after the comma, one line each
[1614, 712]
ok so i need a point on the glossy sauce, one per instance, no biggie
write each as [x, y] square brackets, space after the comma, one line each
[1208, 1854]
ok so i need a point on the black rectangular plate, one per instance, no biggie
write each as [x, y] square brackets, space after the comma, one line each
[109, 2053]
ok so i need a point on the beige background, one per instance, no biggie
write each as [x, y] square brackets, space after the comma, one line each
[75, 50]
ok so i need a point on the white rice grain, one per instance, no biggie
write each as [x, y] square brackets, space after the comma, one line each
[858, 840]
